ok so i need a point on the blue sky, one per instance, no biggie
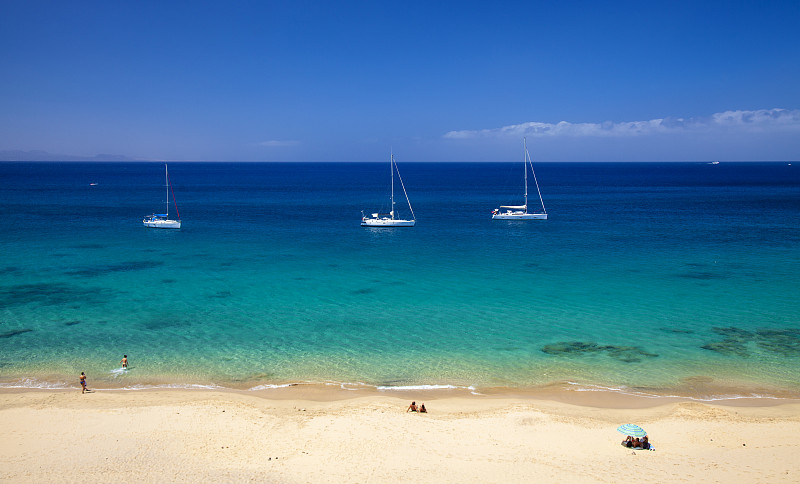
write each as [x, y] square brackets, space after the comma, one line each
[435, 81]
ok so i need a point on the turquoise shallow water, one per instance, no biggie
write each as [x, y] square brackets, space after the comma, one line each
[657, 277]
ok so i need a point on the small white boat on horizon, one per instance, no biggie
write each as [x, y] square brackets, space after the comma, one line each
[162, 220]
[388, 219]
[520, 212]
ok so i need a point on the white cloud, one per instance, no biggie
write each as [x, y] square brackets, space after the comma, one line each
[274, 143]
[762, 120]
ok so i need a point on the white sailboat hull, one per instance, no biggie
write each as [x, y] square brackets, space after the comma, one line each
[162, 220]
[382, 220]
[387, 222]
[519, 216]
[162, 224]
[520, 212]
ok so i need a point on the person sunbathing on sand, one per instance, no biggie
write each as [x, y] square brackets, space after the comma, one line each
[422, 408]
[632, 443]
[412, 407]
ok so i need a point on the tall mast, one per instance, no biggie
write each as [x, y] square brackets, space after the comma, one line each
[525, 168]
[166, 183]
[391, 168]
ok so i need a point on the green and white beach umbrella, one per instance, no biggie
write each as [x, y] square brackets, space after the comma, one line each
[632, 430]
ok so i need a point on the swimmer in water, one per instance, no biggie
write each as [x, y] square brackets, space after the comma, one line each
[124, 361]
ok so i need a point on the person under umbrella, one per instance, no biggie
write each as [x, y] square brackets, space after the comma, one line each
[636, 436]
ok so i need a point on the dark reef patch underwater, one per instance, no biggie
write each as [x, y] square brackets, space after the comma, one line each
[50, 294]
[111, 268]
[785, 342]
[627, 354]
[9, 334]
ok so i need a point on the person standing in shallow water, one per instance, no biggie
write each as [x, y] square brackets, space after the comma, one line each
[83, 383]
[124, 361]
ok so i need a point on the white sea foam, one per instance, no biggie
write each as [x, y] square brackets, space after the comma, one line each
[349, 386]
[118, 371]
[272, 386]
[346, 385]
[586, 387]
[35, 383]
[176, 386]
[355, 386]
[422, 387]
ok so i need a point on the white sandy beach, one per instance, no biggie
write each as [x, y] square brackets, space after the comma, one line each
[191, 436]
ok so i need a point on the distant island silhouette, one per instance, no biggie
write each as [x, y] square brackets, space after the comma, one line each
[40, 155]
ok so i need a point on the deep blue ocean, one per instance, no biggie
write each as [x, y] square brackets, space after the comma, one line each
[654, 277]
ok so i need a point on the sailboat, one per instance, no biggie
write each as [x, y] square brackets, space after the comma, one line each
[388, 219]
[520, 212]
[162, 220]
